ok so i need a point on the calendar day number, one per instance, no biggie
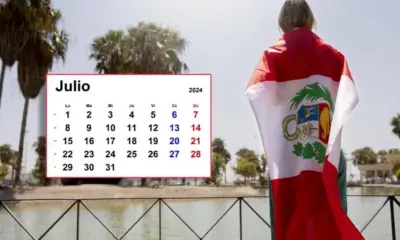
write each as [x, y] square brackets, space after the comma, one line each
[87, 167]
[90, 167]
[195, 90]
[67, 167]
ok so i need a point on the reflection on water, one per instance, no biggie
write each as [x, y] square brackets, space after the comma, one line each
[199, 215]
[374, 191]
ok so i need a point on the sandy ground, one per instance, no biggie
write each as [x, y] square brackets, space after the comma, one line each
[105, 191]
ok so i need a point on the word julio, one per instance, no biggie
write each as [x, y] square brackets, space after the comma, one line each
[75, 86]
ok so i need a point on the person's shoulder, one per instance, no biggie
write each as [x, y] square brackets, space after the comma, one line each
[278, 47]
[326, 47]
[327, 50]
[273, 51]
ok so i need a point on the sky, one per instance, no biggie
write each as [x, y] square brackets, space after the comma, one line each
[226, 38]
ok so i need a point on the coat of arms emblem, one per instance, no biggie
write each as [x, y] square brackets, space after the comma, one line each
[311, 124]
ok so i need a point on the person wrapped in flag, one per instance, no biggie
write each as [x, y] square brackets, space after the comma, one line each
[302, 93]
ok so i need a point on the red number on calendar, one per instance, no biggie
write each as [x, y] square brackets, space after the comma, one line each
[195, 154]
[196, 127]
[195, 113]
[195, 141]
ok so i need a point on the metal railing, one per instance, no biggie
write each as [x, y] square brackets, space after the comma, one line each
[159, 202]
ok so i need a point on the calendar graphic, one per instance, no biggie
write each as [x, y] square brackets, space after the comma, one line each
[128, 126]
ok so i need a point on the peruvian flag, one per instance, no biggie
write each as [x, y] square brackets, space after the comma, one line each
[302, 93]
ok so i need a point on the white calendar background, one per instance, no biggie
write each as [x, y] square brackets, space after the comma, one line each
[94, 134]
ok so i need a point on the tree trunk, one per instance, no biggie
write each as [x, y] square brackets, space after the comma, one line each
[143, 182]
[2, 74]
[21, 142]
[225, 175]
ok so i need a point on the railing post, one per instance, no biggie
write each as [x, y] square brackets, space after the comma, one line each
[240, 220]
[393, 224]
[159, 219]
[78, 212]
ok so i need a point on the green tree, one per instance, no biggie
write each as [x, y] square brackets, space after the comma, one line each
[396, 125]
[8, 158]
[250, 155]
[13, 164]
[108, 52]
[397, 173]
[365, 155]
[394, 151]
[45, 44]
[6, 154]
[248, 163]
[218, 146]
[262, 169]
[19, 20]
[396, 169]
[146, 48]
[382, 155]
[39, 171]
[217, 165]
[12, 35]
[246, 168]
[3, 171]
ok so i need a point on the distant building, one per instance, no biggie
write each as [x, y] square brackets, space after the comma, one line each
[381, 171]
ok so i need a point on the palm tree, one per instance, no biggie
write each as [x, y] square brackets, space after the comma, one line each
[107, 51]
[12, 35]
[146, 48]
[218, 146]
[396, 125]
[41, 50]
[18, 20]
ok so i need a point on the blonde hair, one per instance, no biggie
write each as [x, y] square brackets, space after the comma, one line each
[295, 14]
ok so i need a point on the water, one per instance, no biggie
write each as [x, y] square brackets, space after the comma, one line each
[199, 214]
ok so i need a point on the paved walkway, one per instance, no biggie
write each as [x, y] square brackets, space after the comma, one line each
[382, 185]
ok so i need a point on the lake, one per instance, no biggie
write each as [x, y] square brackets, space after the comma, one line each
[200, 215]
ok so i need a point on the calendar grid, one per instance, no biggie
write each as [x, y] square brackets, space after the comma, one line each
[129, 126]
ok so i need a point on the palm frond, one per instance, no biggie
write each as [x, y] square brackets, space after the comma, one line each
[312, 92]
[146, 48]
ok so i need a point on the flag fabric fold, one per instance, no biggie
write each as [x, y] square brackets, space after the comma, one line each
[302, 93]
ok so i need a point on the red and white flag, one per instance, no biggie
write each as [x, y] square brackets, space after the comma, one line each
[302, 93]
